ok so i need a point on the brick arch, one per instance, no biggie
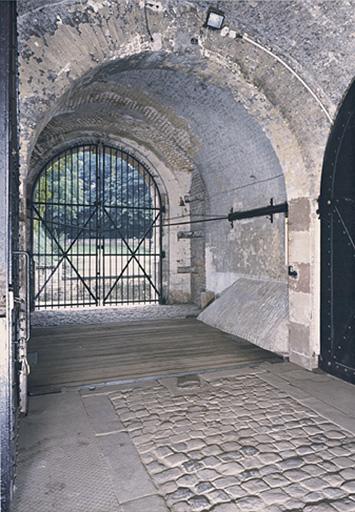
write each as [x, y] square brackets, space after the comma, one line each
[201, 133]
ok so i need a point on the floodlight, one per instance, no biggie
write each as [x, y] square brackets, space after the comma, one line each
[215, 19]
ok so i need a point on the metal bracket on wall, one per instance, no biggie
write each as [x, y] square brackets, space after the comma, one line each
[292, 272]
[265, 211]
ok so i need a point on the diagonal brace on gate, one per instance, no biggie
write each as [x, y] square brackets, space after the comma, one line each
[346, 230]
[64, 252]
[133, 254]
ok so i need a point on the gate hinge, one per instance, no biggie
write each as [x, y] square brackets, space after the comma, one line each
[163, 254]
[163, 208]
[323, 206]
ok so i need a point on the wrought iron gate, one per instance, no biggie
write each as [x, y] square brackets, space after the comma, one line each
[97, 230]
[337, 212]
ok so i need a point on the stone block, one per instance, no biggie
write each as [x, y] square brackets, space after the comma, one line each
[299, 214]
[299, 246]
[300, 307]
[302, 283]
[299, 338]
[129, 477]
[306, 361]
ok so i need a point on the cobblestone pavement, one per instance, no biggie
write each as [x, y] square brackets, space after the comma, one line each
[104, 315]
[237, 443]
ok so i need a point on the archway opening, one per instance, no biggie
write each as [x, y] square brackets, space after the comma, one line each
[207, 155]
[211, 155]
[96, 230]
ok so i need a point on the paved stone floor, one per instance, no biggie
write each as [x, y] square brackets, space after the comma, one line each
[269, 438]
[104, 315]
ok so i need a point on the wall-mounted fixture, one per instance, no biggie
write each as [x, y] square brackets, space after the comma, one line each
[214, 19]
[292, 272]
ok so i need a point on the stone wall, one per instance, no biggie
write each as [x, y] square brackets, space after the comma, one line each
[226, 124]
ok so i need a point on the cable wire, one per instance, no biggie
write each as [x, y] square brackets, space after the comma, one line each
[166, 224]
[197, 221]
[249, 184]
[246, 37]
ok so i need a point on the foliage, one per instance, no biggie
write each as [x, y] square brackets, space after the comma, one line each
[83, 192]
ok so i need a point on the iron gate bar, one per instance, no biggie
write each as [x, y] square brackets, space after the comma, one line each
[124, 207]
[108, 254]
[114, 189]
[75, 304]
[64, 253]
[133, 253]
[64, 256]
[103, 230]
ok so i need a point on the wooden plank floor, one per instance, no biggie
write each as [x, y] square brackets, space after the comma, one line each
[87, 354]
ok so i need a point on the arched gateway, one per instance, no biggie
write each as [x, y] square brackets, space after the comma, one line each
[97, 230]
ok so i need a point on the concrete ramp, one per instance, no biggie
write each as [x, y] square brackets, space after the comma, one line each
[254, 310]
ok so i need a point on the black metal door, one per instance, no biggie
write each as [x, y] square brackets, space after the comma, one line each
[9, 229]
[337, 212]
[97, 230]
